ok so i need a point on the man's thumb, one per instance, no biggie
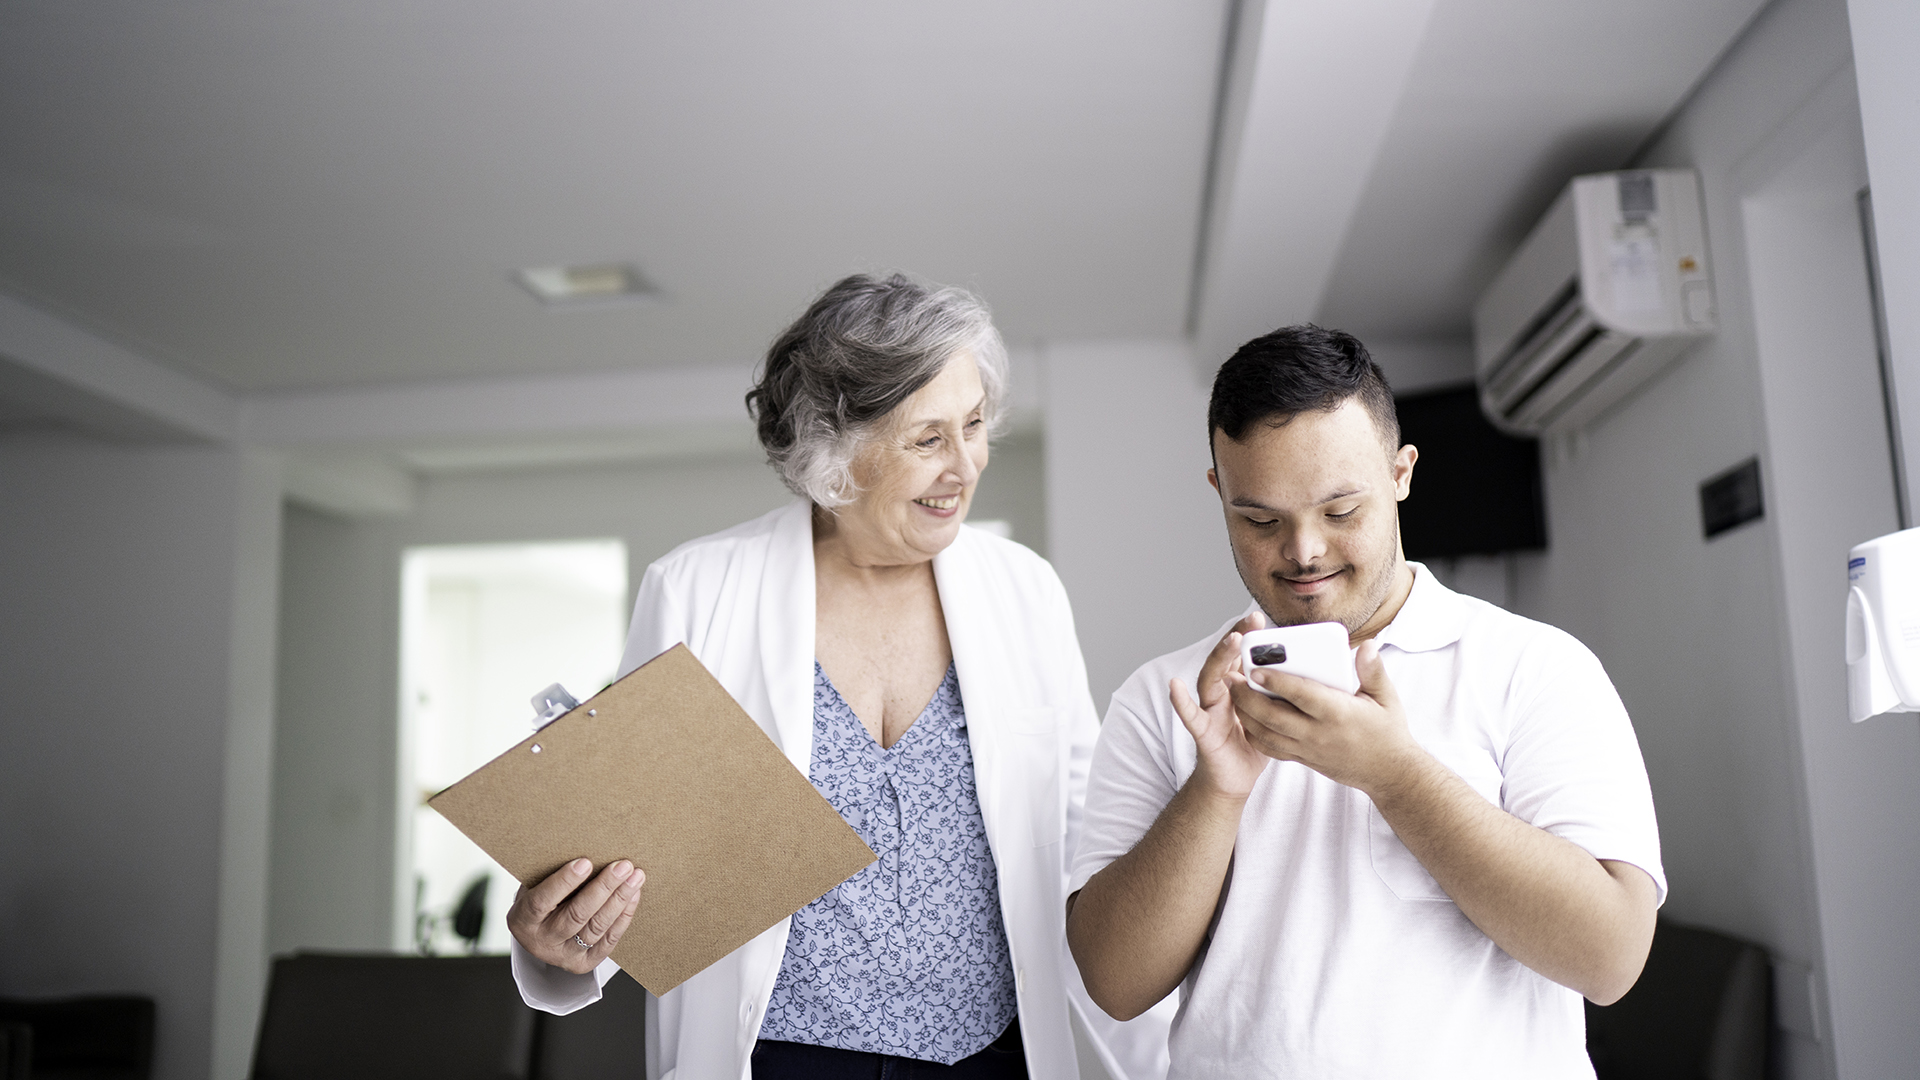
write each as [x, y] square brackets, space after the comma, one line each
[1373, 674]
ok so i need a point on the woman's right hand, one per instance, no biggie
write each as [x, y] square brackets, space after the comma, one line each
[573, 923]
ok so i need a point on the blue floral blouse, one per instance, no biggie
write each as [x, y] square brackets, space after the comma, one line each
[909, 956]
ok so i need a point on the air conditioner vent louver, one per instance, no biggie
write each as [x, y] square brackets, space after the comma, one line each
[1609, 288]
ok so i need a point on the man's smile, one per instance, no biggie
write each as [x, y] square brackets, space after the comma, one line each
[1310, 584]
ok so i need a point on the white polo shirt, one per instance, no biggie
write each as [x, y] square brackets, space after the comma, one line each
[1334, 954]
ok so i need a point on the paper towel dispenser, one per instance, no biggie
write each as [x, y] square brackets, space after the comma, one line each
[1883, 626]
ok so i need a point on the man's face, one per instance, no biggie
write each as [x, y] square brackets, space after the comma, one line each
[1313, 515]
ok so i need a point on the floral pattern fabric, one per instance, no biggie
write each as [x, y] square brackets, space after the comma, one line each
[908, 957]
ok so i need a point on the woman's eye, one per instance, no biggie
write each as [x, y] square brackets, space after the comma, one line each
[929, 442]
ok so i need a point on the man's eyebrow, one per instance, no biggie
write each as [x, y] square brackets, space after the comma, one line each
[1253, 504]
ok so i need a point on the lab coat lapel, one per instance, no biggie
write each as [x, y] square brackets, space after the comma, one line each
[966, 603]
[787, 632]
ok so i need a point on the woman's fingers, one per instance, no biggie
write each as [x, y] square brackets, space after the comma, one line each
[622, 902]
[583, 961]
[549, 894]
[572, 916]
[620, 925]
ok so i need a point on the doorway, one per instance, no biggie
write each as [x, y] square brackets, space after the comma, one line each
[484, 627]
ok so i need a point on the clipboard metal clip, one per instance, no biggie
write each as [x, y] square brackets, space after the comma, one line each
[551, 704]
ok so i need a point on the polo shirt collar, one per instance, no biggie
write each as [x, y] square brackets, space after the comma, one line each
[1433, 617]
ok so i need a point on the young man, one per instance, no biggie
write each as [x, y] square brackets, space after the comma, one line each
[1421, 879]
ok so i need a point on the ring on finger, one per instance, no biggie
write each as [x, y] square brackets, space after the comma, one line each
[582, 944]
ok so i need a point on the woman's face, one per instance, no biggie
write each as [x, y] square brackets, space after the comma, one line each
[917, 476]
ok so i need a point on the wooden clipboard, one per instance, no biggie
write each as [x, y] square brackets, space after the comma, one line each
[665, 769]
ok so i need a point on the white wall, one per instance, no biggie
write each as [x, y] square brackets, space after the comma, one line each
[336, 736]
[1832, 478]
[132, 571]
[1133, 527]
[1886, 38]
[1781, 823]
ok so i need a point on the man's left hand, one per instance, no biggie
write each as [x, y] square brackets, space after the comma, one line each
[1360, 740]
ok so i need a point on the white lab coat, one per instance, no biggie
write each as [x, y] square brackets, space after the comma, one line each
[743, 601]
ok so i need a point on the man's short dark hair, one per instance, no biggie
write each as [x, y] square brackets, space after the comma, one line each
[1295, 369]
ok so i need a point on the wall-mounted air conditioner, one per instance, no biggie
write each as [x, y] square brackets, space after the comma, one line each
[1609, 288]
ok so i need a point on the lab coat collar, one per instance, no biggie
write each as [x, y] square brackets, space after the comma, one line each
[1433, 616]
[968, 602]
[963, 600]
[787, 631]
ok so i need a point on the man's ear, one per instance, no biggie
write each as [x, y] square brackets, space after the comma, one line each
[1403, 471]
[1214, 479]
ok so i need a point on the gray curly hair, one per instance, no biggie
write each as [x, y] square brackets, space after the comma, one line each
[831, 380]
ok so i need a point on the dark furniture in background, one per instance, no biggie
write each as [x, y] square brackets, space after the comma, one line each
[375, 1017]
[81, 1038]
[1701, 1011]
[16, 1051]
[1476, 490]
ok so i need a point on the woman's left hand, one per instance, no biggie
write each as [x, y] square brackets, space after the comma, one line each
[571, 922]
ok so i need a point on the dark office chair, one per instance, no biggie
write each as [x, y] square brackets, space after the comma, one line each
[470, 914]
[16, 1051]
[604, 1041]
[84, 1038]
[383, 1017]
[1701, 1011]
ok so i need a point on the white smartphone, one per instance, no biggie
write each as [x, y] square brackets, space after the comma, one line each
[1316, 651]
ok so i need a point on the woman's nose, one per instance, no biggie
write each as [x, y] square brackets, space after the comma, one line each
[961, 465]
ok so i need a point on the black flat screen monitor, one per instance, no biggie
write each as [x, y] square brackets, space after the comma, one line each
[1476, 490]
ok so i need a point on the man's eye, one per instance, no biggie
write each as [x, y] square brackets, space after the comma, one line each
[1344, 516]
[1259, 524]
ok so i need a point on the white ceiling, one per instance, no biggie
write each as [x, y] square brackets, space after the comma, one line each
[1504, 103]
[286, 194]
[276, 196]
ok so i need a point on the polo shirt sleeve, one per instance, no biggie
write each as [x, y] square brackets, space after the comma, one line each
[1572, 764]
[1132, 779]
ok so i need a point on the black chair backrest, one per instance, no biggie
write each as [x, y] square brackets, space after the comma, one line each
[1702, 1009]
[385, 1017]
[87, 1038]
[16, 1051]
[604, 1041]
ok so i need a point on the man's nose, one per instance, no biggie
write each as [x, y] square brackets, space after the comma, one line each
[1303, 546]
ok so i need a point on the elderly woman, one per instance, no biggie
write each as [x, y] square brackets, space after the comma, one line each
[926, 677]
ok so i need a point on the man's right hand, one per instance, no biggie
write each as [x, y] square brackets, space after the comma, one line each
[1136, 927]
[1229, 765]
[571, 922]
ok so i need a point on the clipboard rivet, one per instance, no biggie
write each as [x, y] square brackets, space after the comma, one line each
[593, 712]
[536, 748]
